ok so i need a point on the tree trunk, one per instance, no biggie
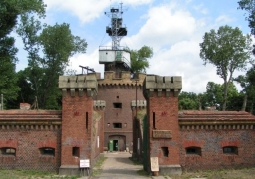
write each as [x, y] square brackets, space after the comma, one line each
[244, 102]
[225, 96]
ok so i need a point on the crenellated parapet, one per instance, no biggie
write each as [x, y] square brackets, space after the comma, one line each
[161, 84]
[99, 104]
[81, 83]
[126, 80]
[140, 104]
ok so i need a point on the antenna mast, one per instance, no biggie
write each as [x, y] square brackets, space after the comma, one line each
[116, 31]
[115, 58]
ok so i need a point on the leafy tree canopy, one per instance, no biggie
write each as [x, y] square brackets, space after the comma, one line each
[10, 11]
[139, 59]
[56, 45]
[228, 50]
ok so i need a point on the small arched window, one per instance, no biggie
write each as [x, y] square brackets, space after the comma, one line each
[230, 150]
[8, 151]
[193, 150]
[47, 151]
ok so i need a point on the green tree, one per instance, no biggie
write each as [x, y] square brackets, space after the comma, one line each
[247, 82]
[249, 6]
[188, 101]
[139, 59]
[214, 95]
[10, 10]
[227, 49]
[57, 45]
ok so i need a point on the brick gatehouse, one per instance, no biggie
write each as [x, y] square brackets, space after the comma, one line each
[97, 112]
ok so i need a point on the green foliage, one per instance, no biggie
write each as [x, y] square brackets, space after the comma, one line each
[214, 96]
[139, 59]
[10, 10]
[249, 6]
[228, 50]
[247, 82]
[56, 44]
[188, 101]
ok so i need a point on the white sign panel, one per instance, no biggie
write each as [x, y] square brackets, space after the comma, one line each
[84, 163]
[154, 164]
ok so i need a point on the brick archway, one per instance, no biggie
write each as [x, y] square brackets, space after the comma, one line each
[121, 142]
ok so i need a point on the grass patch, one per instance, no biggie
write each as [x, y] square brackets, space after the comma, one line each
[31, 174]
[247, 173]
[97, 169]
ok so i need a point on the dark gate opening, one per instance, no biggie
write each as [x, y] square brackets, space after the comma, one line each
[115, 145]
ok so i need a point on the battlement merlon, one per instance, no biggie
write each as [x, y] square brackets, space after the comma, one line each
[158, 83]
[139, 103]
[99, 104]
[79, 83]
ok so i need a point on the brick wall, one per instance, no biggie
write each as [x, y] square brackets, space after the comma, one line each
[27, 132]
[76, 128]
[211, 131]
[165, 110]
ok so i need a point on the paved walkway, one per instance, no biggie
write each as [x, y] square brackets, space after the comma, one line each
[119, 166]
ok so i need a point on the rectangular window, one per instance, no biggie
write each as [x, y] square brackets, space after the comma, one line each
[47, 151]
[193, 150]
[165, 151]
[117, 125]
[8, 151]
[230, 150]
[117, 105]
[76, 151]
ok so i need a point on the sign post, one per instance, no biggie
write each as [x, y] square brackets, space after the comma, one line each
[84, 165]
[154, 166]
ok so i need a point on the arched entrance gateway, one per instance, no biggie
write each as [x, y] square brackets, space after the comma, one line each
[117, 143]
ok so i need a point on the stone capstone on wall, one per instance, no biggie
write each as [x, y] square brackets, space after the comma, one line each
[139, 103]
[78, 83]
[99, 104]
[158, 83]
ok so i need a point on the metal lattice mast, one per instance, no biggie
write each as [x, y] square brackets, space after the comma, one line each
[116, 31]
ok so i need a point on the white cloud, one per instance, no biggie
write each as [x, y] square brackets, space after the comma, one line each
[91, 60]
[165, 25]
[88, 10]
[175, 34]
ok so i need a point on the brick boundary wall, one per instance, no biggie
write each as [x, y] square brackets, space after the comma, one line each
[27, 132]
[211, 131]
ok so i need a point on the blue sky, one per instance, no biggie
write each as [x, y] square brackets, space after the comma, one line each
[173, 28]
